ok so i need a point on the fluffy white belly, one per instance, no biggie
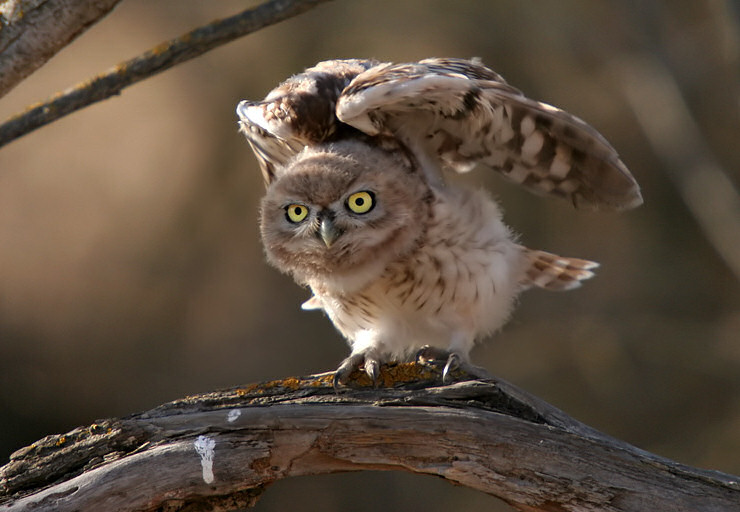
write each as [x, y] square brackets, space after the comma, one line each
[457, 285]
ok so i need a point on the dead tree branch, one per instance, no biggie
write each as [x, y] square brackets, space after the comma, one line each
[33, 31]
[155, 60]
[219, 451]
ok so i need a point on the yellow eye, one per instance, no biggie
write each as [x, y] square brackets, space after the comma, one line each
[361, 202]
[296, 213]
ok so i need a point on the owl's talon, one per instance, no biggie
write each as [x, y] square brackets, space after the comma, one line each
[349, 365]
[335, 382]
[429, 353]
[372, 368]
[452, 360]
[354, 362]
[452, 364]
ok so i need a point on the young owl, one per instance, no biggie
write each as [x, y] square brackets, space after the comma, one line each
[353, 154]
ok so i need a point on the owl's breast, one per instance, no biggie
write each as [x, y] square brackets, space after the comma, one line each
[460, 282]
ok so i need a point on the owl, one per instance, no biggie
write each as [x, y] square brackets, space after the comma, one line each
[403, 262]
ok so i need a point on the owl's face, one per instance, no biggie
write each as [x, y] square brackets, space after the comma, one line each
[340, 213]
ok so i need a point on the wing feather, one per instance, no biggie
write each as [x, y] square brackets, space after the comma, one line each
[461, 112]
[297, 113]
[552, 272]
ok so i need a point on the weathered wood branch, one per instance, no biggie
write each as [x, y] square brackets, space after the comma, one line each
[219, 451]
[32, 31]
[156, 60]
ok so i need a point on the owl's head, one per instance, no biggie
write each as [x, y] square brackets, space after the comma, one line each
[340, 213]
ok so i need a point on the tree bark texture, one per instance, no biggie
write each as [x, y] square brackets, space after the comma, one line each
[33, 31]
[219, 451]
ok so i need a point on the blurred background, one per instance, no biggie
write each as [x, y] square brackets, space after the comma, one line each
[131, 271]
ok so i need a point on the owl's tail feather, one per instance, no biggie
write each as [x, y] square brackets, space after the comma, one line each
[552, 272]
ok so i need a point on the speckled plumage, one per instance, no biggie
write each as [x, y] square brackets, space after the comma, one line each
[357, 208]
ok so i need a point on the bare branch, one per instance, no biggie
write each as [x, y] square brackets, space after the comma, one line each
[31, 32]
[158, 59]
[220, 450]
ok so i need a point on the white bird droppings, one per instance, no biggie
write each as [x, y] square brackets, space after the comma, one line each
[204, 445]
[233, 415]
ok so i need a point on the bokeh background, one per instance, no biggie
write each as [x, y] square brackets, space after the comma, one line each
[131, 271]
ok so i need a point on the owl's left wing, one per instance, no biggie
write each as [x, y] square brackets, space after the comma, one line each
[297, 113]
[461, 113]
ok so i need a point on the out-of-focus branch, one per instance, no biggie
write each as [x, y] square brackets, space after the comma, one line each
[32, 31]
[157, 59]
[656, 100]
[219, 451]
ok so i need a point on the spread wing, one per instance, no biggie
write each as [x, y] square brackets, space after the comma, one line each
[297, 113]
[464, 114]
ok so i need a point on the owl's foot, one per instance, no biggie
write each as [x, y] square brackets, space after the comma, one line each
[354, 362]
[453, 361]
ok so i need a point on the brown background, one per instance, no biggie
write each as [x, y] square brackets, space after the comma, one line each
[131, 271]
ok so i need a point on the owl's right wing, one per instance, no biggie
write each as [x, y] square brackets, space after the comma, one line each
[297, 113]
[460, 113]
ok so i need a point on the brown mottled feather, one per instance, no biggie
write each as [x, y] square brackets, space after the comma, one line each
[297, 113]
[454, 113]
[557, 273]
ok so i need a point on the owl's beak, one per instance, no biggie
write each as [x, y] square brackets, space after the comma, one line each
[328, 231]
